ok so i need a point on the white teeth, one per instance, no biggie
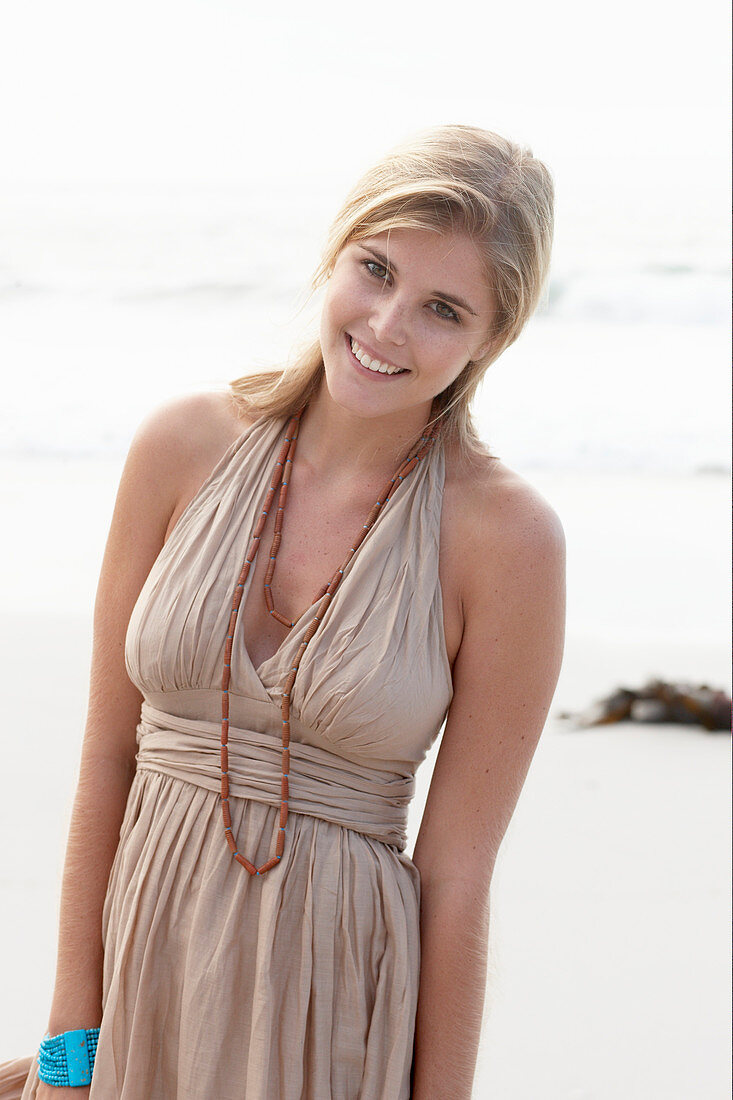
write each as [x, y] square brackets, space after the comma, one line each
[373, 364]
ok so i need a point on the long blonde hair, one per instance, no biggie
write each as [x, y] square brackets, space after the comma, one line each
[447, 178]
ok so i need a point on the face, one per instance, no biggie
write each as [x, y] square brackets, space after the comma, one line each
[415, 305]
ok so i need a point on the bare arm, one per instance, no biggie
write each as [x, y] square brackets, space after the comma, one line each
[161, 460]
[504, 678]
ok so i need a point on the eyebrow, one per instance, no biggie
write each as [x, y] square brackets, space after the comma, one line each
[452, 298]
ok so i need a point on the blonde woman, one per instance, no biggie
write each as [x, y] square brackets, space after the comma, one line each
[304, 577]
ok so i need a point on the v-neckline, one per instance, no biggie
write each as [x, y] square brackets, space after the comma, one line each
[260, 671]
[297, 624]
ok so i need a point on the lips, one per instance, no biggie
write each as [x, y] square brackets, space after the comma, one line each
[362, 358]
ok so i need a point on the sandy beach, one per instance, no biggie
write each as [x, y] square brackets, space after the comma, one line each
[609, 972]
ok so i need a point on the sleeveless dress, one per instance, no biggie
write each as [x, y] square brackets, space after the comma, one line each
[302, 983]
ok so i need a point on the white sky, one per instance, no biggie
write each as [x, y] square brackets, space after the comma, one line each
[630, 95]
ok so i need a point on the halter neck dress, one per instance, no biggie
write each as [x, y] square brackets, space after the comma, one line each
[302, 983]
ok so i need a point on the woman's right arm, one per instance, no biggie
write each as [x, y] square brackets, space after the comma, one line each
[158, 468]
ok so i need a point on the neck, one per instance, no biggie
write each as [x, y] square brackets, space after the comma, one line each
[334, 442]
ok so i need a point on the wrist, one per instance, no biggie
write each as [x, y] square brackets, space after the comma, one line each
[67, 1059]
[74, 1013]
[57, 1025]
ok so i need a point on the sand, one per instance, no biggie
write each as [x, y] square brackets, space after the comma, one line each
[610, 902]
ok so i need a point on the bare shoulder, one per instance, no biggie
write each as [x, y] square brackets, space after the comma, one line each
[504, 531]
[196, 424]
[180, 442]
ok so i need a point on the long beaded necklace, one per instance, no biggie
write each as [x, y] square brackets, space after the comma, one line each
[280, 476]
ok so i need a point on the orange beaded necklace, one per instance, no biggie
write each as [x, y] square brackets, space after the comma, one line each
[280, 473]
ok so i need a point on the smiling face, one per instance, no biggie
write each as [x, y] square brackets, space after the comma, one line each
[404, 313]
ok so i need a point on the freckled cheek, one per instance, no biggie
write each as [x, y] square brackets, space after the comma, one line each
[343, 304]
[438, 346]
[352, 300]
[441, 357]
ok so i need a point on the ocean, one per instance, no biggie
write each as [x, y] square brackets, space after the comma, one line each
[114, 301]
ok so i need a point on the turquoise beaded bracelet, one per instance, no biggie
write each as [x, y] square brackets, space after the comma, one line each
[68, 1058]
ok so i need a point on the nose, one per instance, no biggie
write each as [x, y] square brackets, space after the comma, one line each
[388, 320]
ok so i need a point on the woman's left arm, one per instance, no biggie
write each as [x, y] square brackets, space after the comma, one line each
[504, 679]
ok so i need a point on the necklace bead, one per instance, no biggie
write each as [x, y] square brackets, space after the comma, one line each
[280, 476]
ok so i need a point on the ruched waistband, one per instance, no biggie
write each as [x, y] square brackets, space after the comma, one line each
[321, 783]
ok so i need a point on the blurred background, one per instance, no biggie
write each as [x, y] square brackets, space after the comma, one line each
[167, 178]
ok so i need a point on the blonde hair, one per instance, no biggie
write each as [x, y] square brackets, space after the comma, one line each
[444, 179]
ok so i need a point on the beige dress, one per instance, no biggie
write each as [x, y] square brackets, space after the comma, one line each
[300, 984]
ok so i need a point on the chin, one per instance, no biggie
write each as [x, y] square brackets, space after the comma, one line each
[350, 399]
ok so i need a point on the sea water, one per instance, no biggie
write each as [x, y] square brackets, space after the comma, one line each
[112, 302]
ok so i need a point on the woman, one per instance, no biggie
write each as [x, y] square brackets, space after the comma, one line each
[238, 912]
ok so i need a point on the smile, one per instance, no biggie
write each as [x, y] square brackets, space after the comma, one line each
[373, 365]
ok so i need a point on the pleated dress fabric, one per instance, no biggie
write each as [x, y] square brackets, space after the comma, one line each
[302, 983]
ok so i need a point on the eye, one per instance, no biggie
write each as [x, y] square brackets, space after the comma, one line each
[450, 315]
[370, 264]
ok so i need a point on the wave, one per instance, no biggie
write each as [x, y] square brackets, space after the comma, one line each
[656, 293]
[664, 293]
[575, 458]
